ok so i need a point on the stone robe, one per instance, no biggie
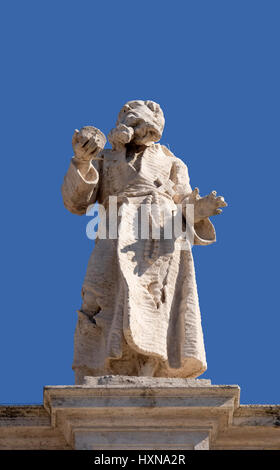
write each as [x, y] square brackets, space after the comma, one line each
[139, 296]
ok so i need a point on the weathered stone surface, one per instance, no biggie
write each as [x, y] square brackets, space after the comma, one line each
[140, 413]
[29, 428]
[147, 382]
[254, 427]
[140, 314]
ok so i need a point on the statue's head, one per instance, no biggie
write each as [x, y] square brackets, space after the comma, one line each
[140, 122]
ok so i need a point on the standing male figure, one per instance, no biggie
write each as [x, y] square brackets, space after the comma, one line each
[140, 313]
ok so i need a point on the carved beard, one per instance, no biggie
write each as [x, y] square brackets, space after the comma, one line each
[141, 134]
[120, 136]
[145, 134]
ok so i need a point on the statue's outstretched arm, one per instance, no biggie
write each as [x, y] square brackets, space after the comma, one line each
[80, 185]
[203, 207]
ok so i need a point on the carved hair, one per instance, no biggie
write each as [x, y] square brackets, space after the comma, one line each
[154, 107]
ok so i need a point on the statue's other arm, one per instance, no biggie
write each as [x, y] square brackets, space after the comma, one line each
[80, 186]
[204, 207]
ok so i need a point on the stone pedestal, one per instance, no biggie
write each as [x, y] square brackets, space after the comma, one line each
[117, 412]
[140, 413]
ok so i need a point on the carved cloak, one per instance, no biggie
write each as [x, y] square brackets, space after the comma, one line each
[142, 291]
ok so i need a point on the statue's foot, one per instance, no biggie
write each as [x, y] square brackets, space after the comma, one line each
[147, 369]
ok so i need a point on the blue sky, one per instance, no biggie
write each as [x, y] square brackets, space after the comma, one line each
[214, 68]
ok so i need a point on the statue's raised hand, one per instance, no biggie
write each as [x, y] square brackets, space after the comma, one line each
[206, 206]
[87, 143]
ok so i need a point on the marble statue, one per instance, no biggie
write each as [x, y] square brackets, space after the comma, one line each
[140, 312]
